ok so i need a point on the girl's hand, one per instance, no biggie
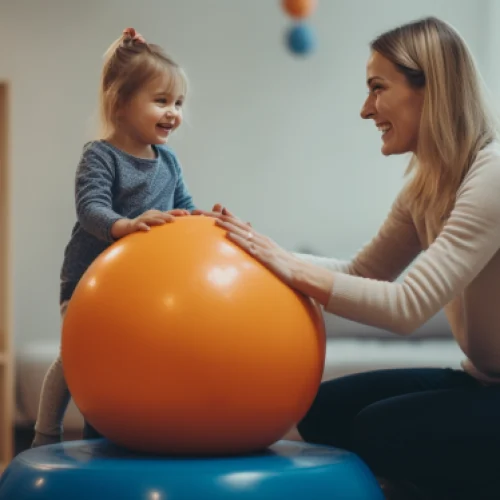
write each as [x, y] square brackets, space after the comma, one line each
[149, 219]
[144, 222]
[178, 212]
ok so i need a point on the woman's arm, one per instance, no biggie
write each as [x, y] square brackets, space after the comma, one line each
[467, 242]
[386, 256]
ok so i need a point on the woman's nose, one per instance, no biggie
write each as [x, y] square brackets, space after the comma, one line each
[367, 110]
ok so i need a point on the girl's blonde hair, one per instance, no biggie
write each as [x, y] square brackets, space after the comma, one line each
[129, 63]
[455, 123]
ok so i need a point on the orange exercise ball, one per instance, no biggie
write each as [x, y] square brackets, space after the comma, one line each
[176, 341]
[299, 8]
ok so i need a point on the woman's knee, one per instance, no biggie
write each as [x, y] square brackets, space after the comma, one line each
[371, 437]
[389, 439]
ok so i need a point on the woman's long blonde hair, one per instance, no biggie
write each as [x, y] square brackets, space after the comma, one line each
[455, 123]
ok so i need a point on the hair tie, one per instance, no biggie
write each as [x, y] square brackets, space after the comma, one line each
[130, 33]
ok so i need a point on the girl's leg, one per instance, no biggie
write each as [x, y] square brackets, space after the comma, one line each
[54, 400]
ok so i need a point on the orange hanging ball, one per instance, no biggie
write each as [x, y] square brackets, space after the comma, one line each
[178, 342]
[299, 8]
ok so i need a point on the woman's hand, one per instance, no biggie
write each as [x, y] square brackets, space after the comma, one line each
[262, 248]
[217, 211]
[306, 278]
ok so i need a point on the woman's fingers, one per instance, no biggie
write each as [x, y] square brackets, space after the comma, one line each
[234, 221]
[243, 233]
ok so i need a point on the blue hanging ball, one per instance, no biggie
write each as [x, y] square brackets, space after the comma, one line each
[301, 39]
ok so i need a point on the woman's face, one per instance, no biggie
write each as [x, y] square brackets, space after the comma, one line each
[393, 105]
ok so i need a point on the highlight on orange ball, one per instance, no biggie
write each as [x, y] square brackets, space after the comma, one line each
[299, 9]
[176, 341]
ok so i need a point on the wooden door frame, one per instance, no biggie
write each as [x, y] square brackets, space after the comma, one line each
[7, 402]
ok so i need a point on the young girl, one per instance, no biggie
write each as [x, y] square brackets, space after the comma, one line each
[126, 181]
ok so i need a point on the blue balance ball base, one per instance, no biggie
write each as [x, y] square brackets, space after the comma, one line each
[96, 469]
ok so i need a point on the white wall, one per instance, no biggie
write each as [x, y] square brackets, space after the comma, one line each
[491, 54]
[275, 138]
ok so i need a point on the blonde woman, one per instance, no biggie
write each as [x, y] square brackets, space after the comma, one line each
[438, 429]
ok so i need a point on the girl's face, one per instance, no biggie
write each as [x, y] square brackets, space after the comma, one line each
[153, 113]
[393, 105]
